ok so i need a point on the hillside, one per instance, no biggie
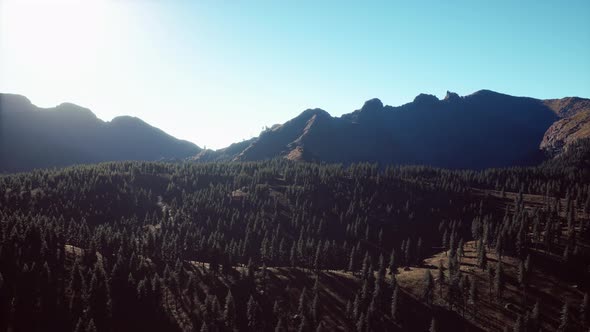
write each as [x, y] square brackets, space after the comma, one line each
[239, 246]
[574, 123]
[31, 137]
[484, 129]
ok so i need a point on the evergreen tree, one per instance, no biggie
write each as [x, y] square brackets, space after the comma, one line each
[351, 262]
[356, 307]
[499, 280]
[366, 265]
[303, 309]
[395, 303]
[360, 324]
[429, 287]
[320, 327]
[534, 319]
[474, 296]
[79, 326]
[315, 308]
[433, 325]
[518, 324]
[229, 314]
[408, 252]
[99, 295]
[304, 325]
[419, 252]
[280, 327]
[482, 259]
[445, 241]
[441, 278]
[392, 263]
[253, 312]
[564, 321]
[91, 327]
[584, 310]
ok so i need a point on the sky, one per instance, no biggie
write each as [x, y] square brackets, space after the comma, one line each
[217, 72]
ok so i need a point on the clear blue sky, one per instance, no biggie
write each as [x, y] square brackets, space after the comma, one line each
[216, 72]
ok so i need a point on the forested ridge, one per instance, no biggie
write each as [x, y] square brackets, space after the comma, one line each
[281, 245]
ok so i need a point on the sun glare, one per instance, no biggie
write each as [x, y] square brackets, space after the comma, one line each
[51, 43]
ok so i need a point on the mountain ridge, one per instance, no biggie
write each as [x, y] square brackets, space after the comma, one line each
[472, 123]
[33, 137]
[475, 131]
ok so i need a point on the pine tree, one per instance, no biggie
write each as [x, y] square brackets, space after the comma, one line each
[482, 259]
[419, 252]
[317, 262]
[382, 267]
[522, 279]
[395, 303]
[366, 265]
[377, 292]
[99, 298]
[474, 296]
[303, 309]
[304, 325]
[499, 280]
[365, 290]
[315, 308]
[534, 322]
[316, 285]
[584, 310]
[351, 262]
[392, 263]
[564, 319]
[229, 314]
[408, 252]
[445, 241]
[429, 287]
[320, 327]
[465, 285]
[349, 309]
[252, 311]
[280, 327]
[91, 327]
[461, 250]
[79, 326]
[433, 325]
[518, 324]
[356, 307]
[441, 278]
[360, 324]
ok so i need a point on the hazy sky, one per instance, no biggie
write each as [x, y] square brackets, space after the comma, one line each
[216, 72]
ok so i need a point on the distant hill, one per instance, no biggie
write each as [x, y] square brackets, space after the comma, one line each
[32, 137]
[484, 129]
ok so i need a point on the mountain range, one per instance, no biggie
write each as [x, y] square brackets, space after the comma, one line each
[32, 137]
[481, 130]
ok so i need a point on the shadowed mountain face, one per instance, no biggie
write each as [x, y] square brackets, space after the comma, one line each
[485, 129]
[31, 137]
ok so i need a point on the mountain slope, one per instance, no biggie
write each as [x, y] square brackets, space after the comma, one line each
[573, 125]
[31, 137]
[484, 129]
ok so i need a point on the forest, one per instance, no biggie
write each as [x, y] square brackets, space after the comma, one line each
[279, 245]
